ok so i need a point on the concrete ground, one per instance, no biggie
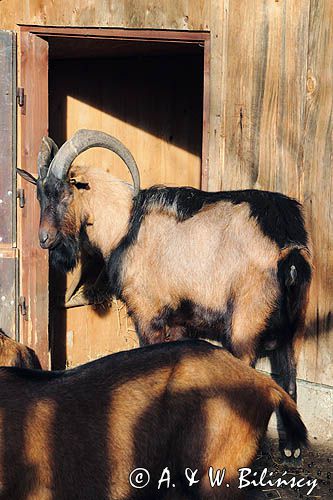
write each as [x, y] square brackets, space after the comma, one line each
[317, 463]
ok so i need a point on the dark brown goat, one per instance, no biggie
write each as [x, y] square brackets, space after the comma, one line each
[78, 434]
[231, 266]
[13, 353]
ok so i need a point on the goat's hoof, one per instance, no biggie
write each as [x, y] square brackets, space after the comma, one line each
[292, 454]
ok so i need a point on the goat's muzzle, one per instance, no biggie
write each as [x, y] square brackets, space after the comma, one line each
[48, 238]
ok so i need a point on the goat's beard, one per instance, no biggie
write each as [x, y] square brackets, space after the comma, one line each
[65, 255]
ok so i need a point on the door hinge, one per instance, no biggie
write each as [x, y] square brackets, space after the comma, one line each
[21, 197]
[23, 307]
[20, 96]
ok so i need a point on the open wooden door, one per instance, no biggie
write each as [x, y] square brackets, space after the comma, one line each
[33, 124]
[8, 247]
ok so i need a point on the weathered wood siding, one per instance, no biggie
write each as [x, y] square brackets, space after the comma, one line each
[270, 108]
[278, 132]
[8, 251]
[171, 14]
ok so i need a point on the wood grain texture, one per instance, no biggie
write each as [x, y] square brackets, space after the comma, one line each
[7, 137]
[33, 59]
[317, 171]
[217, 98]
[8, 252]
[265, 94]
[8, 291]
[278, 133]
[175, 14]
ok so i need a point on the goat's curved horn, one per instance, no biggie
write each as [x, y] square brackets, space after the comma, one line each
[48, 149]
[86, 139]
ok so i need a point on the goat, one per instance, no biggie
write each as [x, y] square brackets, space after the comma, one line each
[230, 266]
[13, 353]
[79, 433]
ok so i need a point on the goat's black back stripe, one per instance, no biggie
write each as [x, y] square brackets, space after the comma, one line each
[279, 217]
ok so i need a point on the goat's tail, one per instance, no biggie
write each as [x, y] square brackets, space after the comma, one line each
[296, 432]
[294, 274]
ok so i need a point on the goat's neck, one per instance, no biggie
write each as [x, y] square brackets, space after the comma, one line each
[107, 209]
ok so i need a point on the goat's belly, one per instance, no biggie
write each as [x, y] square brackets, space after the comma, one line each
[192, 320]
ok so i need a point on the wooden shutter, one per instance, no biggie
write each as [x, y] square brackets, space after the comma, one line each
[8, 250]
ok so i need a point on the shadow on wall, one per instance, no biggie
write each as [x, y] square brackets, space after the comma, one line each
[160, 95]
[321, 325]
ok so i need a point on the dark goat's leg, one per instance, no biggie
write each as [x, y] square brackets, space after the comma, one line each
[284, 366]
[283, 363]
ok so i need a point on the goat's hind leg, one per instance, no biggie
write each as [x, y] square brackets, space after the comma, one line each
[283, 363]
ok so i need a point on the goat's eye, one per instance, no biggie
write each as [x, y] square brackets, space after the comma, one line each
[82, 185]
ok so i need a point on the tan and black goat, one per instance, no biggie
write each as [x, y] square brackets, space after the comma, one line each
[79, 434]
[231, 266]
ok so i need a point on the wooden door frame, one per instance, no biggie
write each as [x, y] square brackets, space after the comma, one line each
[33, 60]
[32, 125]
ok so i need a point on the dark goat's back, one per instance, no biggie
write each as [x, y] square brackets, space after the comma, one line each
[177, 405]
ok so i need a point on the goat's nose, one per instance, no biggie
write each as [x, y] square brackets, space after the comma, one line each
[43, 236]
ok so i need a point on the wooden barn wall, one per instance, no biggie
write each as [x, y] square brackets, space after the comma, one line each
[278, 132]
[155, 14]
[270, 108]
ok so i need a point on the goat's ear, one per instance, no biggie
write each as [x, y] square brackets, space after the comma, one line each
[28, 177]
[79, 182]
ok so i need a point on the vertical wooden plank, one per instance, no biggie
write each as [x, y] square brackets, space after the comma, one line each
[8, 291]
[218, 63]
[7, 137]
[205, 116]
[317, 166]
[8, 253]
[33, 59]
[283, 107]
[246, 68]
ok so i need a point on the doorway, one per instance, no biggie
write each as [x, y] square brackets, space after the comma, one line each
[150, 90]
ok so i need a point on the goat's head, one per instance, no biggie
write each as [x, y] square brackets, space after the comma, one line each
[55, 187]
